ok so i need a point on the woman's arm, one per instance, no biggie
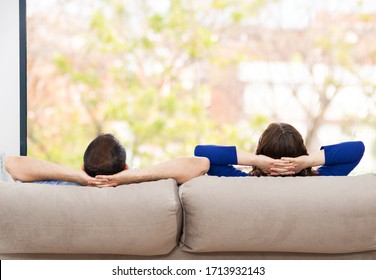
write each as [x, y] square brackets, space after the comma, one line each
[342, 158]
[302, 162]
[223, 157]
[28, 169]
[337, 160]
[180, 169]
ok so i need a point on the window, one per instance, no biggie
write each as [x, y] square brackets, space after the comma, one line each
[166, 77]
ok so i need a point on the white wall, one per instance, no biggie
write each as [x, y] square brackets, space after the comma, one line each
[9, 77]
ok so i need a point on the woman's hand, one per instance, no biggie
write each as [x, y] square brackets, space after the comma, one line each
[274, 167]
[306, 161]
[291, 165]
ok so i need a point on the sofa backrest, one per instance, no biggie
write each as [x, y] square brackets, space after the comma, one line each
[137, 219]
[301, 214]
[292, 214]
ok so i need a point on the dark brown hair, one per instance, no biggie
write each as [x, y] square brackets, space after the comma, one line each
[104, 156]
[281, 140]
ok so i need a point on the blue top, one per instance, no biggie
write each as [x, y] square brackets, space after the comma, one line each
[340, 159]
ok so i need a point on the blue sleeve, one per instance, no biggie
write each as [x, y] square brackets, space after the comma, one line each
[342, 158]
[218, 155]
[221, 159]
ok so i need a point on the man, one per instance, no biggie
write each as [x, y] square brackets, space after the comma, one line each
[104, 166]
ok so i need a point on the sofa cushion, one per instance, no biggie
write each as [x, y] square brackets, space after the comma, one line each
[291, 214]
[135, 219]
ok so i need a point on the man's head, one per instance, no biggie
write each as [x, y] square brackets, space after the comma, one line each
[104, 156]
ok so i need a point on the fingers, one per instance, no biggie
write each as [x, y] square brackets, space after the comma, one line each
[287, 158]
[284, 162]
[275, 174]
[101, 182]
[98, 181]
[282, 167]
[281, 171]
[102, 186]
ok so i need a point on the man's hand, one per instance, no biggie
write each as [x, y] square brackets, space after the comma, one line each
[101, 181]
[84, 179]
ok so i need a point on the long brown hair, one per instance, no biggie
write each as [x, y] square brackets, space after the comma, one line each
[281, 140]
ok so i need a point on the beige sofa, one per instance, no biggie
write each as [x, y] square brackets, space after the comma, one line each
[205, 218]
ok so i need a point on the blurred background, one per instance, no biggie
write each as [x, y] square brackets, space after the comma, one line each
[166, 75]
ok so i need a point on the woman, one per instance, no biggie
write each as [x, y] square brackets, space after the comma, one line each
[281, 152]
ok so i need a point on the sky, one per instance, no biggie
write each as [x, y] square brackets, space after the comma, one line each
[297, 14]
[286, 14]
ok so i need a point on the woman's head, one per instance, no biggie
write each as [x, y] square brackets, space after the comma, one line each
[281, 140]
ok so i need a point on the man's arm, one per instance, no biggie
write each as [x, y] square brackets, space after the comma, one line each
[180, 169]
[28, 169]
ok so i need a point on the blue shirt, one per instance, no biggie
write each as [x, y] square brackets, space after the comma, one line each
[57, 183]
[340, 159]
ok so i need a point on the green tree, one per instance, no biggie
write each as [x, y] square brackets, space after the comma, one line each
[141, 74]
[153, 72]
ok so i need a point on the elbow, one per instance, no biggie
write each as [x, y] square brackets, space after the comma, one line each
[10, 164]
[200, 166]
[200, 160]
[195, 167]
[204, 165]
[358, 148]
[362, 148]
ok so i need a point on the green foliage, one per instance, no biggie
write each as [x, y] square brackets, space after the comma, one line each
[133, 76]
[62, 63]
[165, 118]
[147, 74]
